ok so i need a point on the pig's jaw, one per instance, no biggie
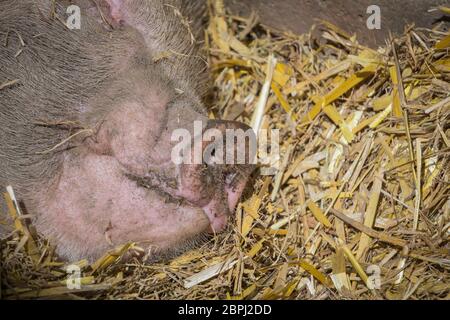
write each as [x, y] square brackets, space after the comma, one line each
[95, 207]
[217, 199]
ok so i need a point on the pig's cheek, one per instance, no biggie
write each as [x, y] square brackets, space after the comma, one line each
[198, 184]
[130, 133]
[95, 206]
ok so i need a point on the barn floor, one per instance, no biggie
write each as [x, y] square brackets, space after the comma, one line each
[358, 207]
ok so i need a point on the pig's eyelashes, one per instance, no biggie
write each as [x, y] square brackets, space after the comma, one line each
[153, 180]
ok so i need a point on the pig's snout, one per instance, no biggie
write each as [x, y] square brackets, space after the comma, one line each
[217, 183]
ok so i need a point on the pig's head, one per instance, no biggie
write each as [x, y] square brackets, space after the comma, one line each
[122, 183]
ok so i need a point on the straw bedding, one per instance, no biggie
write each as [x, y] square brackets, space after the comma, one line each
[359, 206]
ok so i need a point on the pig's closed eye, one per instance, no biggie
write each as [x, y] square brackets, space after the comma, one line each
[154, 180]
[140, 181]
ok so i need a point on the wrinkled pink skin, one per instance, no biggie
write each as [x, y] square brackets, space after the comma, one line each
[94, 203]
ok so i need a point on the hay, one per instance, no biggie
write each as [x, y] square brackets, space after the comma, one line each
[363, 185]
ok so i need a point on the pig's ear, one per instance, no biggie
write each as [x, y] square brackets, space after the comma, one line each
[115, 9]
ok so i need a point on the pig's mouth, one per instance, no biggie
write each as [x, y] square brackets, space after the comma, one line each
[223, 204]
[218, 194]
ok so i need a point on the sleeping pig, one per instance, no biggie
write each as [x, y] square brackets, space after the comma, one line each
[86, 122]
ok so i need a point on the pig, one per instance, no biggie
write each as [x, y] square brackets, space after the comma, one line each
[86, 122]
